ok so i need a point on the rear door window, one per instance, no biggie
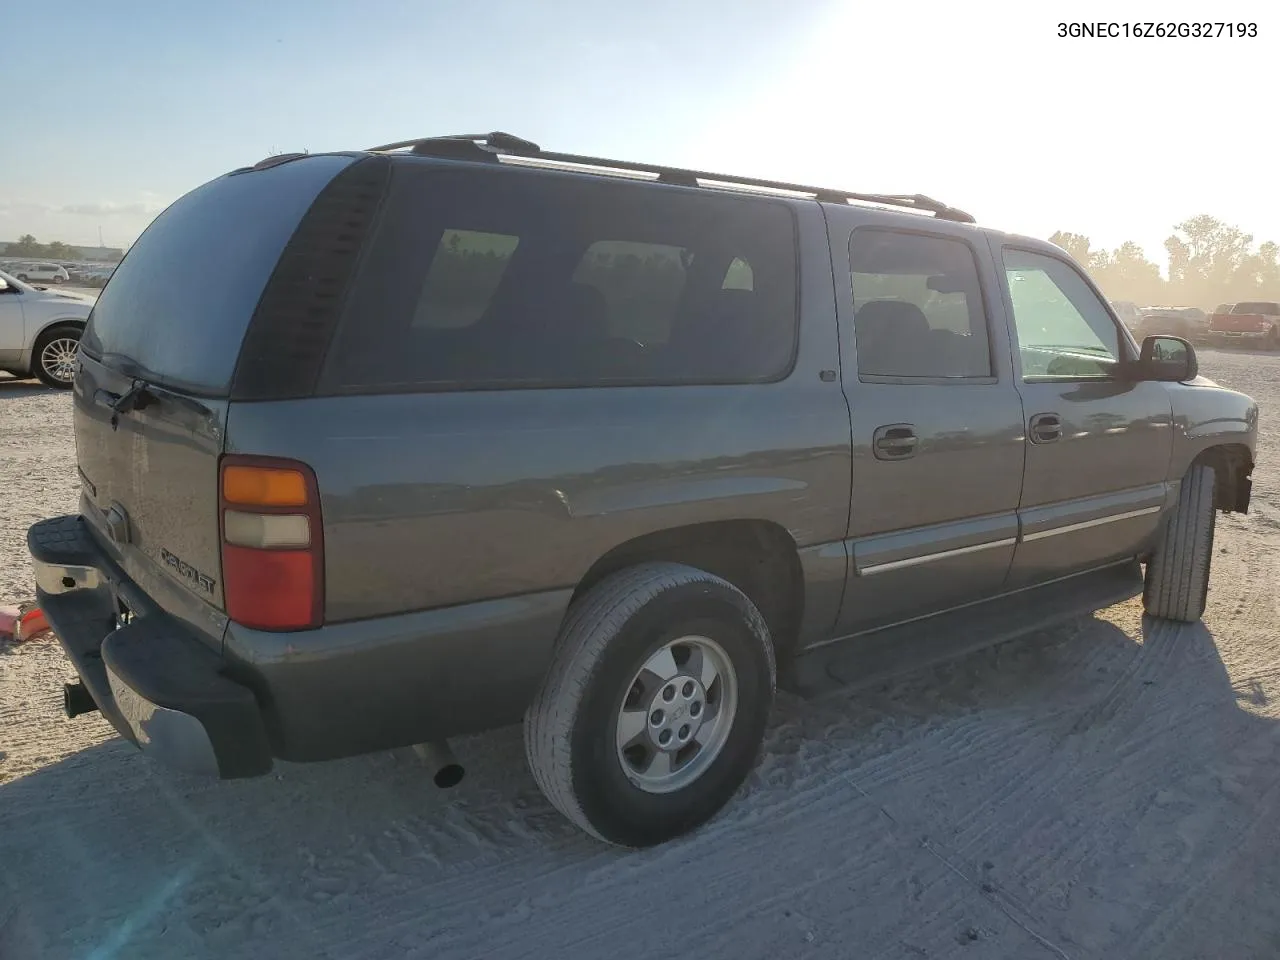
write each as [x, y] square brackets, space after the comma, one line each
[178, 305]
[918, 307]
[500, 279]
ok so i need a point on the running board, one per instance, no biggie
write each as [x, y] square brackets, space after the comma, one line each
[874, 657]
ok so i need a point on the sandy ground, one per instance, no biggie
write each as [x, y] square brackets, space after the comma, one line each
[1101, 790]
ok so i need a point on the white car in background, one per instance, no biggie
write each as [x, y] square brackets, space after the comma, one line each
[40, 331]
[41, 273]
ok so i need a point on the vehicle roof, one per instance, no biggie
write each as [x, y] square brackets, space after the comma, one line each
[498, 149]
[504, 148]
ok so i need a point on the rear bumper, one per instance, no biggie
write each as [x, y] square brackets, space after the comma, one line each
[158, 685]
[343, 689]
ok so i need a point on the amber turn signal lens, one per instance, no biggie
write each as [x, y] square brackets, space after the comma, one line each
[264, 487]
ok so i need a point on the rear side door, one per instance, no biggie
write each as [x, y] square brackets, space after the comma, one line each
[1098, 443]
[937, 421]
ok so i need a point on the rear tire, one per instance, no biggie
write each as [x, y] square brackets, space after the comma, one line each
[618, 688]
[24, 278]
[53, 357]
[1177, 580]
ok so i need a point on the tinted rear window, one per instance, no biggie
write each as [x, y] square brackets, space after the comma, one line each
[508, 278]
[1265, 307]
[177, 306]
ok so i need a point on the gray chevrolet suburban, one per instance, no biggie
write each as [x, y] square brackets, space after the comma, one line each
[384, 447]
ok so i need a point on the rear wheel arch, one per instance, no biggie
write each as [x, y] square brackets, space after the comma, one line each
[759, 557]
[77, 322]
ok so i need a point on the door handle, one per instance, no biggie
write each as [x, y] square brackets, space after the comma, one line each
[895, 441]
[1045, 427]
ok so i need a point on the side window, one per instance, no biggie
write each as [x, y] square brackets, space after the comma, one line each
[918, 307]
[465, 270]
[1064, 330]
[506, 279]
[640, 283]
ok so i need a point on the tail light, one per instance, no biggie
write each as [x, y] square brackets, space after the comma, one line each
[272, 543]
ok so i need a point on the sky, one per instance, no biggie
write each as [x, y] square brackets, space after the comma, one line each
[117, 107]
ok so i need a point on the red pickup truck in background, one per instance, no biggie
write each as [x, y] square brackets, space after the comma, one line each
[1254, 321]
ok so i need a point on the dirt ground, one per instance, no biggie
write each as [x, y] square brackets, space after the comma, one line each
[1106, 789]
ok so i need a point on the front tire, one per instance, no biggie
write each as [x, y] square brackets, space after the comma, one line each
[1177, 580]
[53, 358]
[654, 709]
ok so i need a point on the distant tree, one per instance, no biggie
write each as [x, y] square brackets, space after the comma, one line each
[1074, 243]
[1259, 274]
[1206, 257]
[57, 250]
[1127, 274]
[27, 246]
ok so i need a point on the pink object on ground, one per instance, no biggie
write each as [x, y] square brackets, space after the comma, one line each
[9, 622]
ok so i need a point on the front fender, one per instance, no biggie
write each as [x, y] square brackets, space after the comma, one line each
[1206, 415]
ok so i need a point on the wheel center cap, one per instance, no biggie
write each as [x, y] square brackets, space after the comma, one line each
[676, 713]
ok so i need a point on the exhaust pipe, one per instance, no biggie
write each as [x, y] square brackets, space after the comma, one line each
[76, 699]
[445, 769]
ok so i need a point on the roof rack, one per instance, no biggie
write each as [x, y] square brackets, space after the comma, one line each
[493, 146]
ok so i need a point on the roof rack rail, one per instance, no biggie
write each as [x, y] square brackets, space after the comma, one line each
[495, 142]
[491, 146]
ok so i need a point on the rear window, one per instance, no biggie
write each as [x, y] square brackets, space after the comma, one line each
[1262, 306]
[177, 307]
[498, 279]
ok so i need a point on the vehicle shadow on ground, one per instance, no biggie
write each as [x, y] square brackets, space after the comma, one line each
[12, 387]
[1038, 768]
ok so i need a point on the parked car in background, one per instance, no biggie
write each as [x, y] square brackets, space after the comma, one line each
[41, 272]
[1190, 323]
[1255, 321]
[431, 460]
[93, 274]
[1130, 313]
[40, 331]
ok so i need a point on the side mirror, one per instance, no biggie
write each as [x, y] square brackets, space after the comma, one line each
[1167, 358]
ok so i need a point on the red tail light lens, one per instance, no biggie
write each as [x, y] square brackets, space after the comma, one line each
[272, 543]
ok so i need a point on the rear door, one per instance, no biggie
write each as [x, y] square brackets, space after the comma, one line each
[158, 358]
[1098, 444]
[937, 422]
